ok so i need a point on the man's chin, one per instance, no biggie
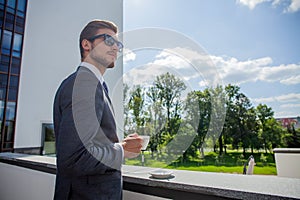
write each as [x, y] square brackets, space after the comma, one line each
[111, 65]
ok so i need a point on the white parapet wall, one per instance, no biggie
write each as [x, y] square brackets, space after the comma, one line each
[287, 162]
[22, 183]
[32, 177]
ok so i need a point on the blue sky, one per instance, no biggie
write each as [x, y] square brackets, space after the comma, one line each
[254, 44]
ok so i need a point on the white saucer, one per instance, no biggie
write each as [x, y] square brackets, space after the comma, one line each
[161, 173]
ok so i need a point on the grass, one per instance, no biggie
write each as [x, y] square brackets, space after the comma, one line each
[232, 162]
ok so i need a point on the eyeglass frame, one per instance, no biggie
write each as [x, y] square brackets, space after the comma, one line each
[106, 36]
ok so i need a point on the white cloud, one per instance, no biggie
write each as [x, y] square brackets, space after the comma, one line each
[237, 72]
[290, 5]
[146, 74]
[285, 74]
[294, 6]
[292, 80]
[128, 55]
[251, 3]
[206, 69]
[295, 105]
[286, 98]
[189, 65]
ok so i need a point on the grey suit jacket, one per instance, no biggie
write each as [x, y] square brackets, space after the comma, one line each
[88, 158]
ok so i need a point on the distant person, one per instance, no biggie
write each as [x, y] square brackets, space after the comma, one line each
[89, 153]
[250, 165]
[245, 168]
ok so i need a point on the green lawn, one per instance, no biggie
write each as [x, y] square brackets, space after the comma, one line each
[232, 162]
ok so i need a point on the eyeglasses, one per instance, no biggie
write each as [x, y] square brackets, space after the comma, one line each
[108, 40]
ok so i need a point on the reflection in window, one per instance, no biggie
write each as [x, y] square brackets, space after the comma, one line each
[3, 84]
[1, 16]
[1, 116]
[21, 7]
[9, 129]
[4, 63]
[8, 145]
[9, 21]
[6, 42]
[17, 45]
[11, 5]
[48, 139]
[15, 66]
[10, 122]
[19, 28]
[10, 111]
[1, 110]
[13, 88]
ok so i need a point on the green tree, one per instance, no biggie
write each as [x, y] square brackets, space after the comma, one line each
[231, 125]
[156, 117]
[197, 107]
[136, 105]
[273, 134]
[169, 91]
[240, 127]
[253, 129]
[264, 113]
[126, 107]
[292, 137]
[242, 137]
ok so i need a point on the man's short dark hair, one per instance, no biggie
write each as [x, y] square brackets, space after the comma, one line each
[92, 28]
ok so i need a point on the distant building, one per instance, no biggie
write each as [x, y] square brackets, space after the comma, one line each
[294, 121]
[38, 49]
[12, 26]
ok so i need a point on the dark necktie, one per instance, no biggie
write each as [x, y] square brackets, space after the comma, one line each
[105, 87]
[106, 93]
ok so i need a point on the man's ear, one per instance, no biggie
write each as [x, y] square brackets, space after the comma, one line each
[86, 45]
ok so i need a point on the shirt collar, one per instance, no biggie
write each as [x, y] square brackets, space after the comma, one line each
[93, 69]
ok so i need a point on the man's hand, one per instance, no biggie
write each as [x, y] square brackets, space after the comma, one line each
[132, 145]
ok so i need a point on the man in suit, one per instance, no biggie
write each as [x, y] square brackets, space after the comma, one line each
[89, 154]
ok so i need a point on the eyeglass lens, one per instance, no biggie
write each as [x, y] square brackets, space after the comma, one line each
[110, 41]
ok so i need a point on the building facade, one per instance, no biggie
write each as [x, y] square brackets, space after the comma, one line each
[38, 49]
[12, 25]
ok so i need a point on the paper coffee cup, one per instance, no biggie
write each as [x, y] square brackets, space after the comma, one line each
[146, 139]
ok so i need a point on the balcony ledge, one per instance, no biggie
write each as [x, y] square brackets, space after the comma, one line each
[186, 184]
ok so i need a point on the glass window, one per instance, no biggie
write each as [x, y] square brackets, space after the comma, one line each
[6, 42]
[10, 111]
[1, 117]
[15, 67]
[11, 5]
[20, 25]
[21, 7]
[48, 139]
[3, 84]
[9, 130]
[17, 45]
[13, 88]
[9, 21]
[19, 29]
[1, 110]
[8, 145]
[4, 63]
[1, 17]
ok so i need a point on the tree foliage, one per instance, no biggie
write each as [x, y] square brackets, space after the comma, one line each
[161, 111]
